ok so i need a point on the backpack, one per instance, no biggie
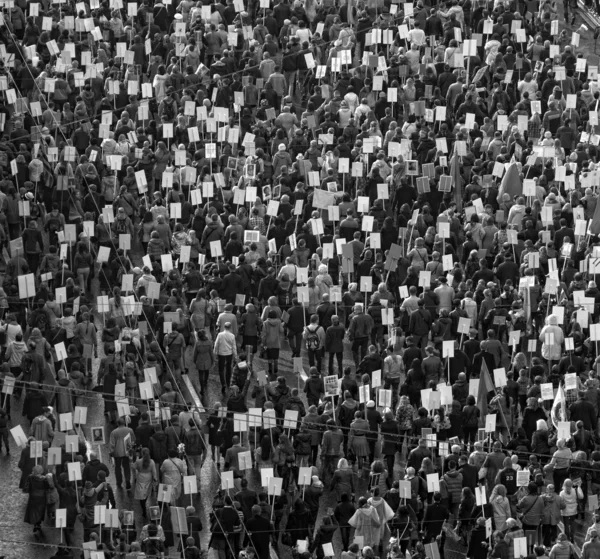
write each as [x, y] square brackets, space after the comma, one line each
[313, 341]
[472, 421]
[53, 224]
[124, 203]
[39, 320]
[280, 402]
[27, 367]
[520, 324]
[109, 184]
[121, 226]
[168, 109]
[294, 406]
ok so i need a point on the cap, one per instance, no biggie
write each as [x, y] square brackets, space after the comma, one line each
[370, 404]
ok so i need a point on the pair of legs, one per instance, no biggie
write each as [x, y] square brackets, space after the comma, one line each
[315, 357]
[83, 274]
[123, 466]
[295, 339]
[273, 361]
[339, 356]
[359, 349]
[225, 362]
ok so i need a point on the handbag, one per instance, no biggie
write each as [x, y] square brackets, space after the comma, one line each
[520, 515]
[287, 539]
[440, 338]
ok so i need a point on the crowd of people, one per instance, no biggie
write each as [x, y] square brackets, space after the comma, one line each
[373, 225]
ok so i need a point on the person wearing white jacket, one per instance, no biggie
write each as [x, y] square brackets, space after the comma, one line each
[226, 351]
[569, 497]
[500, 506]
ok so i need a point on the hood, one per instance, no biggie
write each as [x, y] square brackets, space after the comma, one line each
[453, 474]
[368, 511]
[160, 436]
[350, 404]
[273, 321]
[460, 382]
[63, 382]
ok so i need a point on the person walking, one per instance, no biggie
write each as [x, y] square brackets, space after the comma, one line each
[225, 349]
[121, 441]
[145, 479]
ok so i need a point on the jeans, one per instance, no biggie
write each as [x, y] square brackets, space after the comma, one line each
[225, 362]
[359, 345]
[123, 462]
[175, 364]
[196, 465]
[559, 477]
[315, 355]
[203, 379]
[290, 78]
[470, 435]
[549, 534]
[568, 525]
[345, 534]
[4, 437]
[83, 274]
[339, 356]
[377, 336]
[314, 454]
[390, 460]
[295, 339]
[33, 259]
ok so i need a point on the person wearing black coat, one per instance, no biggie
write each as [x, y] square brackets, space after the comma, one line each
[92, 468]
[259, 531]
[391, 439]
[35, 402]
[298, 524]
[478, 548]
[435, 516]
[232, 285]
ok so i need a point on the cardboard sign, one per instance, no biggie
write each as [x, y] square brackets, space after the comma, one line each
[275, 486]
[500, 377]
[520, 546]
[291, 419]
[305, 475]
[523, 477]
[490, 423]
[448, 348]
[433, 483]
[165, 493]
[547, 391]
[331, 385]
[245, 460]
[480, 496]
[74, 471]
[179, 521]
[190, 485]
[60, 519]
[405, 489]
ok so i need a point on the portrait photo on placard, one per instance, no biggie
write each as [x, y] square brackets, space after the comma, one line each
[98, 435]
